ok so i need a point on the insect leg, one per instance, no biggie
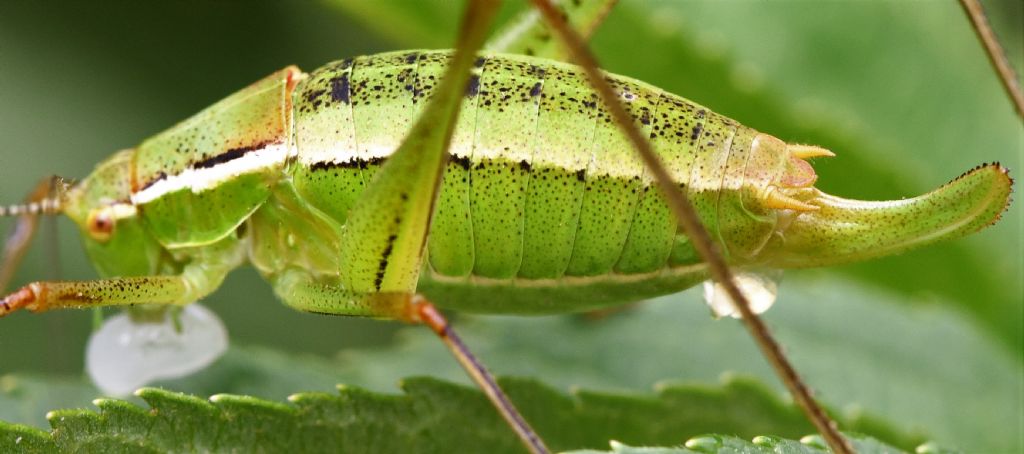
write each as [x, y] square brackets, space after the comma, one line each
[195, 281]
[528, 34]
[300, 290]
[385, 232]
[427, 314]
[44, 296]
[683, 209]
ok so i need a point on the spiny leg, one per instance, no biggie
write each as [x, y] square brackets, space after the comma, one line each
[300, 290]
[683, 209]
[386, 230]
[44, 296]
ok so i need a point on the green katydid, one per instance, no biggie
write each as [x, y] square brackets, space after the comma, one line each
[540, 263]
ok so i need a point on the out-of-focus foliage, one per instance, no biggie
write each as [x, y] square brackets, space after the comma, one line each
[900, 91]
[428, 416]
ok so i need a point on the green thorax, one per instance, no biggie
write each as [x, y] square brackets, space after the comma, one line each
[198, 181]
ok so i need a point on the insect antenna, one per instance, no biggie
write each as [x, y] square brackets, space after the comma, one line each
[46, 198]
[45, 206]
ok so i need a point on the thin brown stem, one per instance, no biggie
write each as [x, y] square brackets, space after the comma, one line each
[995, 53]
[687, 217]
[426, 313]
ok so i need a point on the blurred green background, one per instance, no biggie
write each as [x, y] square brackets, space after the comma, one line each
[899, 90]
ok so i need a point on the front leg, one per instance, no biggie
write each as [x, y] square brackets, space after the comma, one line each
[195, 281]
[44, 296]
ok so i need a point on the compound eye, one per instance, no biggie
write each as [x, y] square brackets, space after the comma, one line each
[101, 223]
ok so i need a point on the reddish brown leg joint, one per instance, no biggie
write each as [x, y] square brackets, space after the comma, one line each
[427, 314]
[23, 298]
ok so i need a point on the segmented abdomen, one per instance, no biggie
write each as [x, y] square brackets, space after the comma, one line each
[541, 183]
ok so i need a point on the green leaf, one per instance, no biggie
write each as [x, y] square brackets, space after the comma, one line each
[759, 445]
[22, 438]
[429, 416]
[878, 361]
[921, 366]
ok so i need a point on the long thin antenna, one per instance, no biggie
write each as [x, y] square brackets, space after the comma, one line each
[688, 219]
[46, 198]
[995, 52]
[45, 206]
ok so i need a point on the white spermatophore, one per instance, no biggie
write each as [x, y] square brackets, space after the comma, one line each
[760, 288]
[124, 355]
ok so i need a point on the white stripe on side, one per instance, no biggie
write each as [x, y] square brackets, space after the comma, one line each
[199, 180]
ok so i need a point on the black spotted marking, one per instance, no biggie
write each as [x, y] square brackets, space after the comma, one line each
[341, 90]
[159, 176]
[313, 95]
[581, 175]
[473, 87]
[696, 132]
[384, 260]
[462, 161]
[525, 165]
[227, 156]
[354, 163]
[535, 91]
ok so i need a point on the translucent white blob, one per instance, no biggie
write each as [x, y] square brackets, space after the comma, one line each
[124, 355]
[760, 289]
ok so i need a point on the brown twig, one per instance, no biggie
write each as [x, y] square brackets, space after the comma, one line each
[995, 53]
[687, 217]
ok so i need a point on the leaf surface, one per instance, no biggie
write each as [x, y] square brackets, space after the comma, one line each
[428, 416]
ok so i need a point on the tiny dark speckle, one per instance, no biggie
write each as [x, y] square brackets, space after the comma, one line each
[581, 174]
[411, 58]
[473, 87]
